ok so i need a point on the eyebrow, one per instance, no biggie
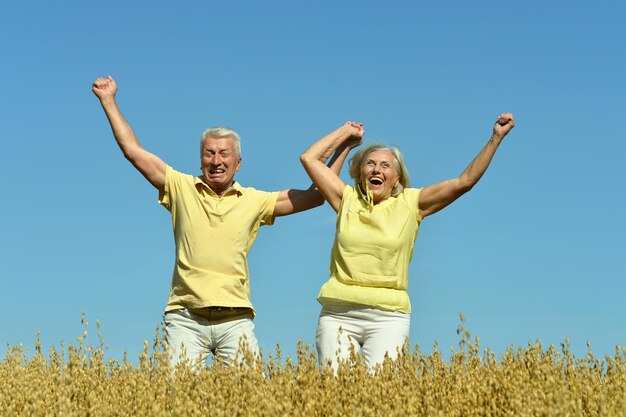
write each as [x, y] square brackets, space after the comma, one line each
[218, 150]
[380, 160]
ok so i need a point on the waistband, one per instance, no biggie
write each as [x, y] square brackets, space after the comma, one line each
[220, 313]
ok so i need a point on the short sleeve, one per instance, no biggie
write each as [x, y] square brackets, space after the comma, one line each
[412, 196]
[267, 204]
[348, 193]
[172, 183]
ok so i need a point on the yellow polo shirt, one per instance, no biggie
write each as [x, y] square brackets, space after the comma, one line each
[373, 247]
[213, 236]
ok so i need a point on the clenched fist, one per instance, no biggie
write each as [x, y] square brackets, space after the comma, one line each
[504, 124]
[104, 87]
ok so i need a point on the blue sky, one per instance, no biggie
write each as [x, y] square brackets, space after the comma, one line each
[534, 251]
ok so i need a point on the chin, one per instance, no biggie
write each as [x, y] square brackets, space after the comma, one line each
[216, 184]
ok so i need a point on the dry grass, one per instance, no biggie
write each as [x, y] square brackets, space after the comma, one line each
[529, 381]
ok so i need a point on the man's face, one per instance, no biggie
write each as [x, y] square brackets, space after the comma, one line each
[219, 162]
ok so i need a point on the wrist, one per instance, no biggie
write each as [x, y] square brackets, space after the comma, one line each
[496, 137]
[107, 100]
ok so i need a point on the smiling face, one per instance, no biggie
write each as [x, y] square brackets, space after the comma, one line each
[219, 162]
[379, 174]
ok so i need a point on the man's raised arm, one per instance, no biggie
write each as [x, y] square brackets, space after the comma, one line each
[150, 165]
[338, 143]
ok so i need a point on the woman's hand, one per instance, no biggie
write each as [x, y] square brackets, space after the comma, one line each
[104, 88]
[355, 132]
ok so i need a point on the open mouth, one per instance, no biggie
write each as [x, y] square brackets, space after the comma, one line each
[375, 181]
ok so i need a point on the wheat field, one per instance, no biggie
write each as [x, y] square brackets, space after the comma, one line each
[534, 380]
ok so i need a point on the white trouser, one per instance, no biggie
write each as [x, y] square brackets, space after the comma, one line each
[376, 332]
[201, 336]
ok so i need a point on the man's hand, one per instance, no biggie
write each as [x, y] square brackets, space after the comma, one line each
[104, 88]
[503, 126]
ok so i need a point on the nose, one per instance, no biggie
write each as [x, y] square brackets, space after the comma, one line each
[216, 159]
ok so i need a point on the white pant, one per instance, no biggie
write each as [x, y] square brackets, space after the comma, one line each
[374, 331]
[201, 336]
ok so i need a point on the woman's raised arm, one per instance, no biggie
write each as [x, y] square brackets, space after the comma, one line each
[437, 196]
[326, 179]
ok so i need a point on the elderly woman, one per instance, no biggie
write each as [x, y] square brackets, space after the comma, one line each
[365, 303]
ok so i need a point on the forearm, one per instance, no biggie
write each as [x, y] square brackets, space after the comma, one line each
[326, 179]
[148, 164]
[312, 197]
[339, 158]
[294, 201]
[320, 151]
[475, 170]
[122, 131]
[437, 196]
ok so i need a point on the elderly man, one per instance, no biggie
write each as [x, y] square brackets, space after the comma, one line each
[215, 222]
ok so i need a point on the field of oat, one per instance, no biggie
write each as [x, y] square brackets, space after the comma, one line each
[76, 380]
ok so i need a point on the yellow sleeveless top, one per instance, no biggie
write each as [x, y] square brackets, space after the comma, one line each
[373, 247]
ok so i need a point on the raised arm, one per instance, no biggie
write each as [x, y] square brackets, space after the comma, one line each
[150, 165]
[437, 196]
[293, 201]
[325, 178]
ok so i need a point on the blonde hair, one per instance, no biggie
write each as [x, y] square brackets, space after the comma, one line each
[356, 162]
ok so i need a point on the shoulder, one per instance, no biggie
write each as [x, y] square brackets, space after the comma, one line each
[255, 194]
[175, 179]
[251, 190]
[411, 197]
[172, 174]
[410, 193]
[349, 196]
[349, 190]
[177, 185]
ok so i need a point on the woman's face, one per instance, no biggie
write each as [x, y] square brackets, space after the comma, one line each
[378, 174]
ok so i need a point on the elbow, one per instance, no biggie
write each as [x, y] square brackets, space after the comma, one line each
[305, 159]
[465, 183]
[314, 197]
[296, 201]
[464, 187]
[319, 199]
[308, 160]
[130, 155]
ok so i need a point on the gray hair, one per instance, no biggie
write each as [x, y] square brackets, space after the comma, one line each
[221, 132]
[356, 162]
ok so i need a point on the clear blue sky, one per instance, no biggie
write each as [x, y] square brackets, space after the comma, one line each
[536, 250]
